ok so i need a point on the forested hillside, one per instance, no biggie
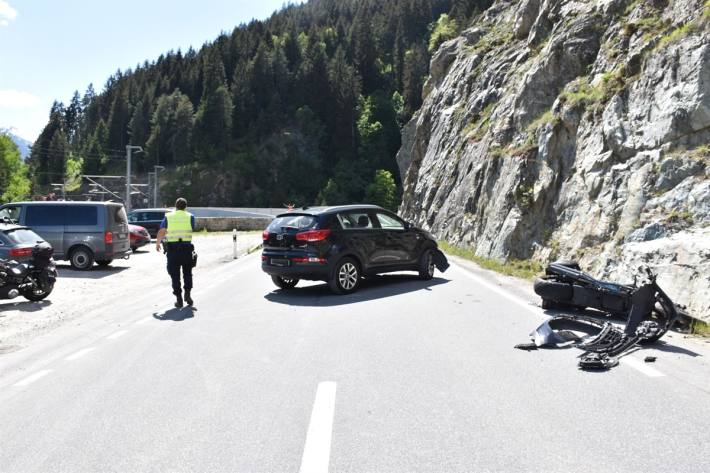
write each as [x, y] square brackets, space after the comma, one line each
[304, 107]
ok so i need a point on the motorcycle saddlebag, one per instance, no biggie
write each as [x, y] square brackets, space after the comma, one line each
[42, 255]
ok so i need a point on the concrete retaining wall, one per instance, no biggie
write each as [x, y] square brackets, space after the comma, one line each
[227, 224]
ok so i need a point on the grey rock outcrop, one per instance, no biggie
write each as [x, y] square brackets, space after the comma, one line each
[558, 128]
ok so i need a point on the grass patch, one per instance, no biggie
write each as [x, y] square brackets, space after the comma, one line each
[540, 121]
[477, 129]
[526, 269]
[698, 327]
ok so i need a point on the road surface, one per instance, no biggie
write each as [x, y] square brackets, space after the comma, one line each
[402, 376]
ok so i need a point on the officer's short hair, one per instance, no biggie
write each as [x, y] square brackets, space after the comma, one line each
[181, 204]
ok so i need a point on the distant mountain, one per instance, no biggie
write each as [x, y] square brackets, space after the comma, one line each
[21, 143]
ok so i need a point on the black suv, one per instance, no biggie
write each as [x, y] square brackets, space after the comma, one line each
[341, 244]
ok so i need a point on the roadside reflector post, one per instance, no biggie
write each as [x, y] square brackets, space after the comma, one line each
[234, 240]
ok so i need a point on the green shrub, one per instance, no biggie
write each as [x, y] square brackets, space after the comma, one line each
[444, 29]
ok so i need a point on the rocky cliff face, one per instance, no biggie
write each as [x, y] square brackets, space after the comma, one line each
[559, 128]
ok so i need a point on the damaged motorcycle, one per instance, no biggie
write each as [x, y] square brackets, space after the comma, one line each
[648, 311]
[34, 280]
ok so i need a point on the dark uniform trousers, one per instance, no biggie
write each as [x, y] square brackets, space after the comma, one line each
[180, 257]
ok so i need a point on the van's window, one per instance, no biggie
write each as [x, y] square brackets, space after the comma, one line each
[119, 214]
[81, 215]
[44, 215]
[299, 222]
[354, 220]
[13, 213]
[23, 236]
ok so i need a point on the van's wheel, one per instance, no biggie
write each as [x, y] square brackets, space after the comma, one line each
[284, 283]
[426, 266]
[345, 277]
[104, 262]
[81, 258]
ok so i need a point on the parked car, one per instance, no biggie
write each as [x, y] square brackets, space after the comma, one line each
[17, 242]
[81, 232]
[139, 237]
[341, 244]
[148, 218]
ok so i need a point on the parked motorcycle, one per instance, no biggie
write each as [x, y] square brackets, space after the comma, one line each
[34, 281]
[646, 305]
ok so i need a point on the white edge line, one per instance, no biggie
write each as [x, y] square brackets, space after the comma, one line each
[640, 366]
[500, 291]
[316, 453]
[628, 360]
[31, 379]
[79, 354]
[116, 335]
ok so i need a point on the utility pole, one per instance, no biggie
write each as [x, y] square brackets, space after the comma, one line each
[157, 169]
[129, 149]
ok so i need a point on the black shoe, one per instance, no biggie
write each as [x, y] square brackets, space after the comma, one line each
[178, 302]
[188, 299]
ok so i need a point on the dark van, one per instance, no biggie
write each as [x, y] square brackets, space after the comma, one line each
[81, 232]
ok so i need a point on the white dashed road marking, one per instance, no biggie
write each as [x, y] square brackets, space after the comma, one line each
[116, 335]
[33, 378]
[316, 453]
[631, 362]
[79, 354]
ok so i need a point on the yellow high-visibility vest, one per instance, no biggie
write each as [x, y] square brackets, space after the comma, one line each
[179, 226]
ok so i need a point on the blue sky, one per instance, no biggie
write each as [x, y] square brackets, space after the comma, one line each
[49, 48]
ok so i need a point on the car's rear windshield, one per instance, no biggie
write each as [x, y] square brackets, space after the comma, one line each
[119, 214]
[298, 222]
[23, 236]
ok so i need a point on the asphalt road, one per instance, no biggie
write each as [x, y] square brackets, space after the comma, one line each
[402, 376]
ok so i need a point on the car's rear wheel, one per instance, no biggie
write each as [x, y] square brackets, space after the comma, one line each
[426, 266]
[81, 258]
[284, 282]
[346, 276]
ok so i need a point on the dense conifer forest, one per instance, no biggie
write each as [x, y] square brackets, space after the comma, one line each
[305, 107]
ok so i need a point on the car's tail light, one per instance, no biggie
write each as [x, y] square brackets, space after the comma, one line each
[20, 252]
[108, 237]
[309, 260]
[265, 235]
[264, 258]
[313, 235]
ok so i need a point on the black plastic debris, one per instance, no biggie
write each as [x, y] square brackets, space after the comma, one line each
[650, 359]
[602, 341]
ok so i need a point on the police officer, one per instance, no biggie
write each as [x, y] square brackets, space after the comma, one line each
[176, 229]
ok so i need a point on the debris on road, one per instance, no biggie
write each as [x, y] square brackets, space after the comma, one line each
[650, 359]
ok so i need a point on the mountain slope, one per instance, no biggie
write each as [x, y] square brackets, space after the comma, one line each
[561, 128]
[22, 144]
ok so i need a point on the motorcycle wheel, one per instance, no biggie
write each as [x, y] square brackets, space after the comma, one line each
[36, 295]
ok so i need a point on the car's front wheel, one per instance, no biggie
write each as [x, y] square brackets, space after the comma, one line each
[345, 277]
[426, 265]
[284, 283]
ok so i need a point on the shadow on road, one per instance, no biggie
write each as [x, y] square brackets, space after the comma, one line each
[66, 271]
[371, 288]
[176, 315]
[23, 305]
